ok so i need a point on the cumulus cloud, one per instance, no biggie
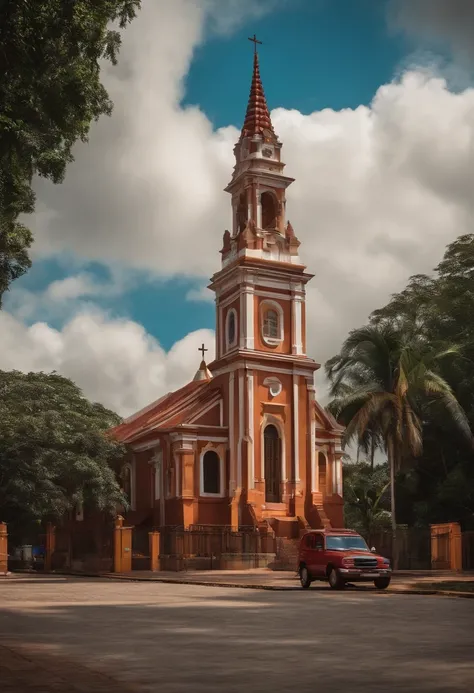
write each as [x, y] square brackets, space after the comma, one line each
[380, 189]
[115, 362]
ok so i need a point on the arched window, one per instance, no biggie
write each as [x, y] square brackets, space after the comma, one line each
[271, 326]
[211, 474]
[231, 336]
[269, 210]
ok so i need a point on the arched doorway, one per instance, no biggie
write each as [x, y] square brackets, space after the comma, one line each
[322, 467]
[272, 456]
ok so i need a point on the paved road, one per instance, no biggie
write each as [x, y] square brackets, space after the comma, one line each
[152, 636]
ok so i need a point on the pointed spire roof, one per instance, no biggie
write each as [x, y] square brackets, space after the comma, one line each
[203, 373]
[257, 117]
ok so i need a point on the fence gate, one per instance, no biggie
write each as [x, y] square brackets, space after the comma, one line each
[446, 550]
[140, 548]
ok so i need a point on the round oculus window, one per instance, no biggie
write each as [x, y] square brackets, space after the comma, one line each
[275, 389]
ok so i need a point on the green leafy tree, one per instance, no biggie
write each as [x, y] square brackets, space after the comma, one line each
[50, 92]
[438, 309]
[54, 450]
[383, 382]
[366, 498]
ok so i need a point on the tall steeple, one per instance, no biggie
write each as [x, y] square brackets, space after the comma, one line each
[257, 118]
[258, 185]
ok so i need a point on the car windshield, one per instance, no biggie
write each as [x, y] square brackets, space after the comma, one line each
[345, 542]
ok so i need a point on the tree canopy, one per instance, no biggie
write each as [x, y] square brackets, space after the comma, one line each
[54, 449]
[50, 92]
[366, 497]
[408, 378]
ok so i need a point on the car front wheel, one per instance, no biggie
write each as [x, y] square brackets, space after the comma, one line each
[335, 580]
[382, 583]
[305, 577]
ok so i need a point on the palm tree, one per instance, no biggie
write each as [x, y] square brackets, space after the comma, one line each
[384, 385]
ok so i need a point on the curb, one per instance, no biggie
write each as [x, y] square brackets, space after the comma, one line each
[256, 586]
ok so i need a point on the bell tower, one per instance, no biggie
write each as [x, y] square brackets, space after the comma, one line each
[261, 363]
[261, 253]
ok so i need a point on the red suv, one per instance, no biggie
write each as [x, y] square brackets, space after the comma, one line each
[340, 556]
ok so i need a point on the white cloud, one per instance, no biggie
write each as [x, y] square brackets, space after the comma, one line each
[115, 362]
[66, 297]
[200, 293]
[379, 191]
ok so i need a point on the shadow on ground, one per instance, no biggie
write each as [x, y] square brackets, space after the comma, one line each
[171, 637]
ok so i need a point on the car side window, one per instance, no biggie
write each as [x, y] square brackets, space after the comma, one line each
[309, 541]
[318, 542]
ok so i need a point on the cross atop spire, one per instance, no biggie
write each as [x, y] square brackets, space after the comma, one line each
[257, 117]
[255, 41]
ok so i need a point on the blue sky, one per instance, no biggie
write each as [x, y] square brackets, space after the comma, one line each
[375, 125]
[316, 54]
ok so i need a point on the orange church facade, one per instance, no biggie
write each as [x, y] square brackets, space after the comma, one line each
[245, 444]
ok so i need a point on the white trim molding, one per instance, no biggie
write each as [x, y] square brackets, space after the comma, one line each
[297, 345]
[218, 451]
[296, 424]
[241, 429]
[274, 386]
[249, 318]
[251, 449]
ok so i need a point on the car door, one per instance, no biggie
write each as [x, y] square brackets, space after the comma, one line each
[306, 552]
[318, 560]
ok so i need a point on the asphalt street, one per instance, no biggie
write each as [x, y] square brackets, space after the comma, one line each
[152, 636]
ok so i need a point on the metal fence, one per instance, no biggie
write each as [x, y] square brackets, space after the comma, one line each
[215, 542]
[414, 547]
[82, 547]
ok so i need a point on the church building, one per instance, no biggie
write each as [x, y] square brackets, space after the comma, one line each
[245, 443]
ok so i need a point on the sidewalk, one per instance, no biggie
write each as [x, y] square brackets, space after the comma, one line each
[408, 582]
[415, 582]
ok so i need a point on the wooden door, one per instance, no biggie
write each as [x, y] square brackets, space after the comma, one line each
[272, 447]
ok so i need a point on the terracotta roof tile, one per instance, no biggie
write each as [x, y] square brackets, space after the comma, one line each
[257, 117]
[136, 425]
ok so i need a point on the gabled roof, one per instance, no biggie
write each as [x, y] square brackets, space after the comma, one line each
[328, 421]
[172, 410]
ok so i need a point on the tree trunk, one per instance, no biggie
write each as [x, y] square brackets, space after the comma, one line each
[391, 463]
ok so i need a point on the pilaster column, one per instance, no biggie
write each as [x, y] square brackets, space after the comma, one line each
[185, 453]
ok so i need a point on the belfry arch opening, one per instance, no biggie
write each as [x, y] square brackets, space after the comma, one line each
[272, 458]
[242, 213]
[269, 210]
